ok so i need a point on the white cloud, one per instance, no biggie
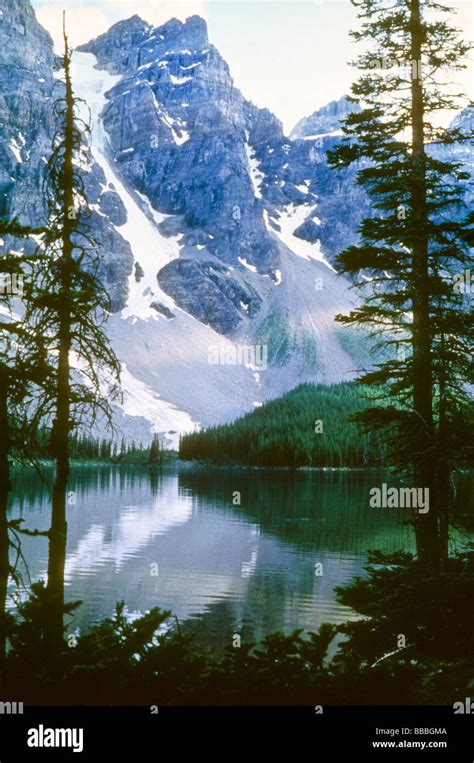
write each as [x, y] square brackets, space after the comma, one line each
[82, 23]
[88, 20]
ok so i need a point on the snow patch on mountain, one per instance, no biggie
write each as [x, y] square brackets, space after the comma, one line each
[140, 400]
[319, 136]
[151, 250]
[247, 265]
[179, 80]
[256, 175]
[15, 148]
[287, 222]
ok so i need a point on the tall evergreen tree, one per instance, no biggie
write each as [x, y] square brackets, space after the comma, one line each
[68, 309]
[417, 238]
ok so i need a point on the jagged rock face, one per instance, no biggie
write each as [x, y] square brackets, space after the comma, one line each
[205, 290]
[177, 129]
[342, 204]
[116, 49]
[116, 260]
[26, 85]
[28, 90]
[111, 206]
[184, 136]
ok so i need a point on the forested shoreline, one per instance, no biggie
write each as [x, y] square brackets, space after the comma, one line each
[310, 426]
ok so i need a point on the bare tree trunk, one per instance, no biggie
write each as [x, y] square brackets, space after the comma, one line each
[427, 541]
[58, 531]
[61, 428]
[444, 490]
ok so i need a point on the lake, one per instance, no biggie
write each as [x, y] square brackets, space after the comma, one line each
[177, 539]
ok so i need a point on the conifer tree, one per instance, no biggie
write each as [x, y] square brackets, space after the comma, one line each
[154, 450]
[418, 237]
[68, 310]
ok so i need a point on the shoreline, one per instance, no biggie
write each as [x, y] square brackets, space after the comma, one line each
[191, 465]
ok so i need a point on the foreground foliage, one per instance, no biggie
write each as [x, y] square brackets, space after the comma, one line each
[150, 662]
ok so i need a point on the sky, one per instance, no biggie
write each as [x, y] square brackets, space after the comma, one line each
[291, 56]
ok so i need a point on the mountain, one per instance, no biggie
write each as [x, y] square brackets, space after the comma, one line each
[325, 122]
[182, 135]
[221, 218]
[217, 232]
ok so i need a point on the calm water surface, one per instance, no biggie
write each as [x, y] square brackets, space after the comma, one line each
[222, 568]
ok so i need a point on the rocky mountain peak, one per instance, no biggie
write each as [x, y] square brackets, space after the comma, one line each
[465, 119]
[16, 7]
[133, 42]
[325, 120]
[22, 35]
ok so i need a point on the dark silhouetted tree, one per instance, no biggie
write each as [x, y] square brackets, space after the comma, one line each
[68, 308]
[417, 238]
